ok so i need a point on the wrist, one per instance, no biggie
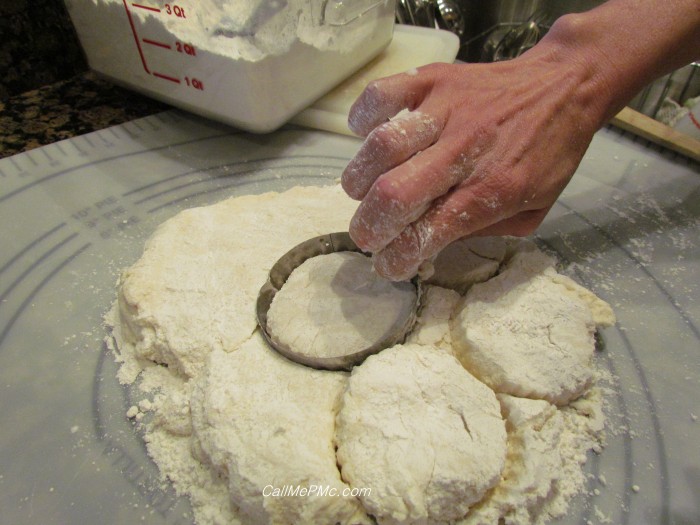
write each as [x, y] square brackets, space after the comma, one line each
[604, 87]
[583, 70]
[621, 46]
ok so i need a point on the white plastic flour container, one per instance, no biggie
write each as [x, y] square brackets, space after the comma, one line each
[249, 63]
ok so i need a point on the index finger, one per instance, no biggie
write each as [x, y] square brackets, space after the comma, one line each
[387, 146]
[386, 97]
[403, 194]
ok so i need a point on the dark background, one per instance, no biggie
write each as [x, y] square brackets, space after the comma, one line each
[38, 45]
[47, 92]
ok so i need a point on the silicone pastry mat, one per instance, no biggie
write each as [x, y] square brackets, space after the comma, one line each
[75, 213]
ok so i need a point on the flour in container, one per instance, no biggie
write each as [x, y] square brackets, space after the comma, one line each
[256, 29]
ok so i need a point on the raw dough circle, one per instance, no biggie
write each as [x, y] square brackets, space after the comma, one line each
[422, 433]
[466, 262]
[334, 305]
[525, 334]
[271, 430]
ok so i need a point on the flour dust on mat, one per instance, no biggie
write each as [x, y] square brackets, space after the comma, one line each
[465, 423]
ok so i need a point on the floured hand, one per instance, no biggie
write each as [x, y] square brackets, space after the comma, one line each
[483, 150]
[486, 149]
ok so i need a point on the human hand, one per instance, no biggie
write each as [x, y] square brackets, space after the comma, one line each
[484, 149]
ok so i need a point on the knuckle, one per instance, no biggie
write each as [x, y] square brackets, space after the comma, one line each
[389, 194]
[381, 139]
[363, 113]
[506, 188]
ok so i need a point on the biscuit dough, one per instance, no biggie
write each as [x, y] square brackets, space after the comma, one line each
[466, 262]
[535, 430]
[336, 304]
[271, 429]
[526, 334]
[204, 267]
[422, 432]
[432, 326]
[419, 439]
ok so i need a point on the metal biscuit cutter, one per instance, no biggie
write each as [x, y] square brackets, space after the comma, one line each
[280, 272]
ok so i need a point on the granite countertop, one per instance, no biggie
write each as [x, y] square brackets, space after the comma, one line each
[47, 92]
[65, 109]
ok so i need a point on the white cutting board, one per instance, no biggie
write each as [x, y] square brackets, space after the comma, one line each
[411, 47]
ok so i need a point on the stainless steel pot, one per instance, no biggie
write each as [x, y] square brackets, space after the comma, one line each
[489, 22]
[492, 30]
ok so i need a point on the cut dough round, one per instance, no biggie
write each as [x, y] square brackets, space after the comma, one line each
[336, 304]
[525, 334]
[467, 261]
[423, 434]
[535, 462]
[266, 423]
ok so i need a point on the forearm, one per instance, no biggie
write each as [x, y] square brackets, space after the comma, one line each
[623, 45]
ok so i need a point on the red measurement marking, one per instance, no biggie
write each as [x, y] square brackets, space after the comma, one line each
[147, 7]
[166, 77]
[154, 43]
[136, 38]
[693, 119]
